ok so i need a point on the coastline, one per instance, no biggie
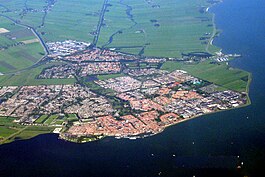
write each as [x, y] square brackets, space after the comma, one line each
[133, 137]
[197, 116]
[247, 92]
[215, 29]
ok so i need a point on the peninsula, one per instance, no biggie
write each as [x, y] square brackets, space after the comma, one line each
[118, 81]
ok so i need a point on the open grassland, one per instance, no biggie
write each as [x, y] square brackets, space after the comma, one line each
[109, 76]
[152, 28]
[164, 27]
[220, 74]
[41, 119]
[4, 41]
[74, 19]
[33, 131]
[10, 131]
[29, 77]
[27, 133]
[20, 57]
[71, 117]
[7, 127]
[14, 55]
[17, 10]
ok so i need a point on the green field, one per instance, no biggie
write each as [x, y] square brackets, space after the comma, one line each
[29, 77]
[162, 27]
[220, 74]
[41, 119]
[15, 56]
[181, 25]
[10, 131]
[7, 127]
[29, 132]
[50, 119]
[66, 20]
[109, 76]
[71, 117]
[20, 57]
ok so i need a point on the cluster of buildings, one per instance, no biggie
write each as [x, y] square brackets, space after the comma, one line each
[145, 72]
[155, 107]
[59, 72]
[145, 101]
[127, 126]
[152, 103]
[80, 69]
[70, 50]
[120, 84]
[96, 54]
[30, 102]
[99, 68]
[220, 57]
[7, 90]
[65, 48]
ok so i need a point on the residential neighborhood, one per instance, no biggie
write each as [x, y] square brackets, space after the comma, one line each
[140, 99]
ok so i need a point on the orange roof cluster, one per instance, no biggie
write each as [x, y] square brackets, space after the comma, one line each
[186, 95]
[164, 91]
[145, 105]
[129, 125]
[169, 118]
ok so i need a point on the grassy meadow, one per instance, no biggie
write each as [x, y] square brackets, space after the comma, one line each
[164, 27]
[220, 74]
[29, 77]
[14, 55]
[10, 131]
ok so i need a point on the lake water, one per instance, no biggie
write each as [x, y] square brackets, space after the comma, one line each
[212, 145]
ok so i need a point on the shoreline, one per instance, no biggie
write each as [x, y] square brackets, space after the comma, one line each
[146, 135]
[184, 120]
[215, 29]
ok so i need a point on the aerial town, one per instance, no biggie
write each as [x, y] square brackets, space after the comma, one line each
[143, 101]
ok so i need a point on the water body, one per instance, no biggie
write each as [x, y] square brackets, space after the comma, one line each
[205, 146]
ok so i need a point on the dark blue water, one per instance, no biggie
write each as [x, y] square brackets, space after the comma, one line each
[206, 146]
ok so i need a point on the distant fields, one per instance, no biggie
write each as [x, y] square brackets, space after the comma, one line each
[162, 28]
[220, 74]
[15, 55]
[20, 57]
[165, 28]
[74, 19]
